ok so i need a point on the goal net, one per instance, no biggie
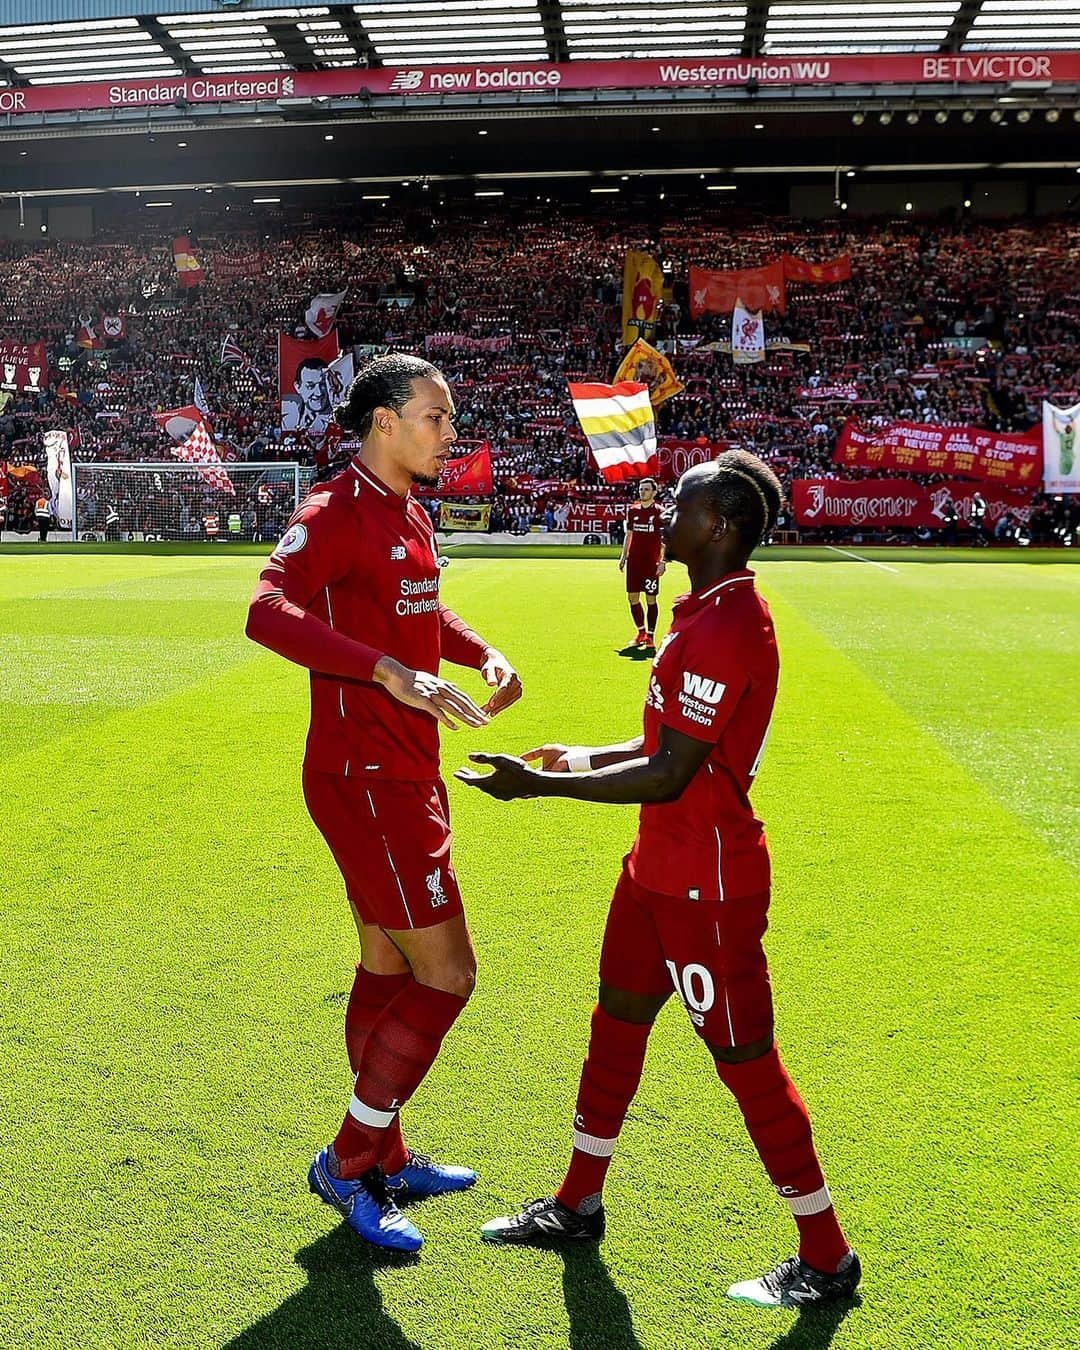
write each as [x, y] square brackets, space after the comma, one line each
[226, 503]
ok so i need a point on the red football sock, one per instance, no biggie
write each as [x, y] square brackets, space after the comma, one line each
[609, 1079]
[370, 995]
[638, 615]
[400, 1048]
[779, 1126]
[650, 621]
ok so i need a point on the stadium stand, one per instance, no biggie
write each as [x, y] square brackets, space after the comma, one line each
[512, 301]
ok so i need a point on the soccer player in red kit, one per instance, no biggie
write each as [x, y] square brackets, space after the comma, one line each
[642, 560]
[352, 593]
[690, 909]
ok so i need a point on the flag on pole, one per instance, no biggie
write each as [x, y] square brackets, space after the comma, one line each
[1061, 454]
[232, 353]
[643, 284]
[86, 334]
[468, 475]
[189, 271]
[747, 335]
[201, 451]
[321, 315]
[643, 364]
[199, 398]
[618, 423]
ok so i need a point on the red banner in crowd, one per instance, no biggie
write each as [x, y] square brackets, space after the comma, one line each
[967, 452]
[495, 76]
[674, 456]
[23, 366]
[467, 476]
[817, 274]
[717, 292]
[896, 503]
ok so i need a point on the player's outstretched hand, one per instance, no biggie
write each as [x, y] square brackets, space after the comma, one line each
[501, 675]
[553, 758]
[511, 779]
[419, 689]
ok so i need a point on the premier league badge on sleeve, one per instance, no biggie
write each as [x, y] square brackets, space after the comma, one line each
[293, 540]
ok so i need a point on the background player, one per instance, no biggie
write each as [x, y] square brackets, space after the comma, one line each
[352, 592]
[642, 560]
[690, 908]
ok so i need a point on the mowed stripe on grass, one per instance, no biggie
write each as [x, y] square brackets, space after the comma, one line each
[175, 955]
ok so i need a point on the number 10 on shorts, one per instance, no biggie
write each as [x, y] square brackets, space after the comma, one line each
[696, 989]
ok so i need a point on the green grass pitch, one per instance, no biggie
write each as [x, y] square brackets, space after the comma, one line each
[175, 954]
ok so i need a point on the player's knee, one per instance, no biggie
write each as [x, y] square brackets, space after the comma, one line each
[459, 979]
[740, 1054]
[641, 1009]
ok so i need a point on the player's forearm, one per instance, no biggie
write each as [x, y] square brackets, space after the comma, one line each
[459, 644]
[290, 631]
[631, 781]
[604, 756]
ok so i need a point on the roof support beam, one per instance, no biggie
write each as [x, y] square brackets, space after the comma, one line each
[554, 31]
[757, 14]
[357, 34]
[291, 43]
[961, 25]
[168, 43]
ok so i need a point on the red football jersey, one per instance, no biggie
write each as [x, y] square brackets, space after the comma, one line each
[643, 528]
[364, 561]
[714, 678]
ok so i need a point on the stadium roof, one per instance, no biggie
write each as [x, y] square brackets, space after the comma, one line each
[109, 39]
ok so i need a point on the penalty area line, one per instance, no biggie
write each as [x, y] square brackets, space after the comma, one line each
[859, 558]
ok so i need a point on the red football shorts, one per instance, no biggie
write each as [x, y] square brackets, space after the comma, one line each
[709, 950]
[391, 842]
[642, 577]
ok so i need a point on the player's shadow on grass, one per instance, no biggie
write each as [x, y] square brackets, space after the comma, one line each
[635, 653]
[815, 1328]
[340, 1307]
[598, 1311]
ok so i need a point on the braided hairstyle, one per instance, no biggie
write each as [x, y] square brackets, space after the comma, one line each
[746, 492]
[384, 382]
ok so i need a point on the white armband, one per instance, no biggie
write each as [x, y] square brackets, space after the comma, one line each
[578, 759]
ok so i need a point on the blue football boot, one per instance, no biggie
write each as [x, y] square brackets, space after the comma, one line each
[365, 1205]
[421, 1177]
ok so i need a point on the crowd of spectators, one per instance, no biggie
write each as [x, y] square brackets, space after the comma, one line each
[944, 322]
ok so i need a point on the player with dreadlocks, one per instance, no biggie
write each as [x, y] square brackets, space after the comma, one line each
[690, 909]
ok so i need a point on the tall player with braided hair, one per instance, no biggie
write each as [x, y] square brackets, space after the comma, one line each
[690, 908]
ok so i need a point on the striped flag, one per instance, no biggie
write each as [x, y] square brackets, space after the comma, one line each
[619, 424]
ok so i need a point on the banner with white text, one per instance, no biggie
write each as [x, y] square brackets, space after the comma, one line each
[897, 504]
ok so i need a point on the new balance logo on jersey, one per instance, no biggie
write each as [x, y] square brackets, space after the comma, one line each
[435, 888]
[698, 687]
[406, 81]
[398, 552]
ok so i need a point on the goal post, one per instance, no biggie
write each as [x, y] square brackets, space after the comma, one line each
[193, 503]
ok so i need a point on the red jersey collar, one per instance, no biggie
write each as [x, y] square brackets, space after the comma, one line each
[713, 592]
[382, 492]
